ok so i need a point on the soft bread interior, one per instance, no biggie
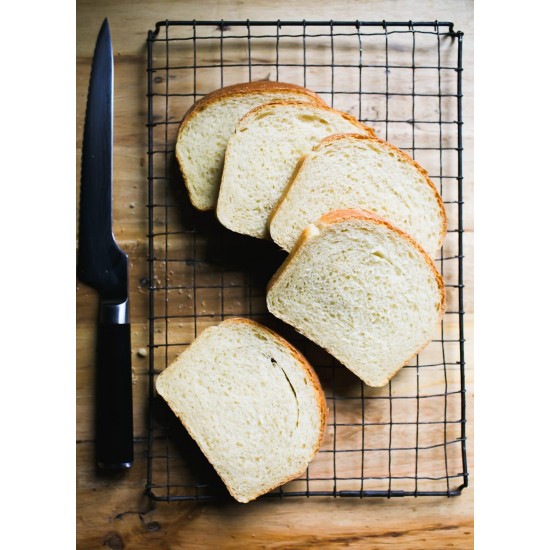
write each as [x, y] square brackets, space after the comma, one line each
[354, 171]
[262, 155]
[252, 403]
[362, 290]
[201, 143]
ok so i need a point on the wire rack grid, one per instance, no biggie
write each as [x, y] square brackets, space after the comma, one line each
[404, 80]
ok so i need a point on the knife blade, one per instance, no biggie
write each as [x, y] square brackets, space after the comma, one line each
[102, 265]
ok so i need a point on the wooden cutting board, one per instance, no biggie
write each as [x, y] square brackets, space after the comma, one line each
[114, 513]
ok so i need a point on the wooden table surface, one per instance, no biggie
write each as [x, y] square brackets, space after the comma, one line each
[114, 512]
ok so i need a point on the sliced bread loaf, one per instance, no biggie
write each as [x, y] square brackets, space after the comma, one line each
[252, 403]
[361, 171]
[363, 290]
[262, 155]
[206, 127]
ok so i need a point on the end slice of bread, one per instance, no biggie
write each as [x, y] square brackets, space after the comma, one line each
[262, 156]
[207, 126]
[252, 403]
[361, 171]
[363, 290]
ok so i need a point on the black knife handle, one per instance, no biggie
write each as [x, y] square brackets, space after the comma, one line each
[114, 419]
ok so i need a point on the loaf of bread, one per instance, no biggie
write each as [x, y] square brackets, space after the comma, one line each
[262, 156]
[206, 127]
[361, 171]
[362, 289]
[252, 403]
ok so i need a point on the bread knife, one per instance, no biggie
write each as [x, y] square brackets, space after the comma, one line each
[102, 265]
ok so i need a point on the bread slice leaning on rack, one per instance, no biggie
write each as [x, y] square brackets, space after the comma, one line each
[361, 171]
[252, 403]
[262, 156]
[207, 125]
[363, 290]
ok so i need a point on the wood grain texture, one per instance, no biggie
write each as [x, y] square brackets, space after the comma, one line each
[114, 513]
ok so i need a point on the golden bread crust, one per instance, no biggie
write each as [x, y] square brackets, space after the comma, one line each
[287, 102]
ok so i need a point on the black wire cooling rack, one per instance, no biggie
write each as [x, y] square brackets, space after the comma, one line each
[404, 80]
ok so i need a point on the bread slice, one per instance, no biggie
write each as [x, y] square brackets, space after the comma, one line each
[363, 290]
[252, 403]
[262, 155]
[361, 171]
[206, 127]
